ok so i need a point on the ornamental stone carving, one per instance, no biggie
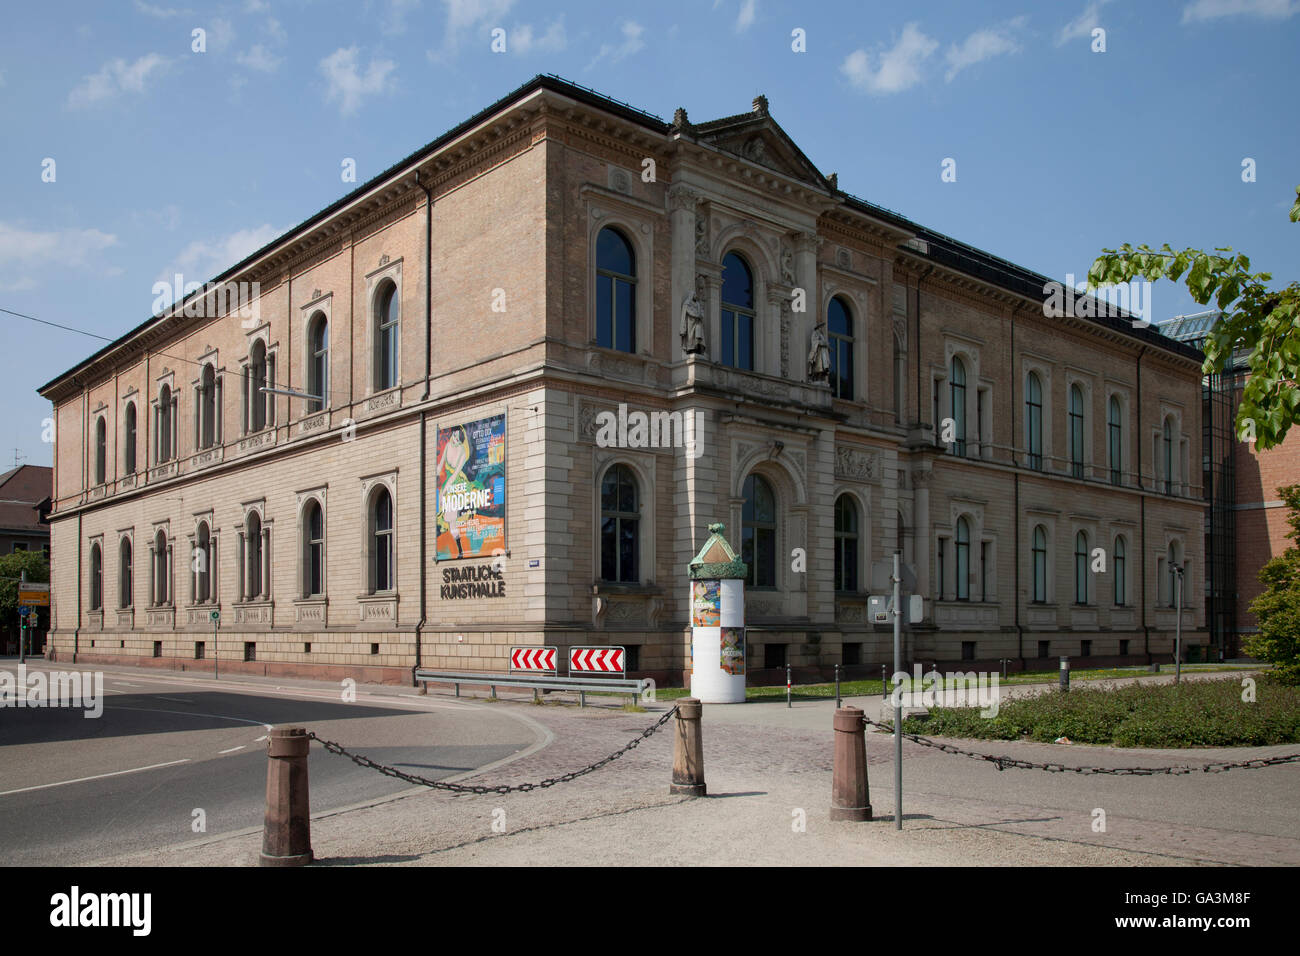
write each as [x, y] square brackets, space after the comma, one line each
[856, 465]
[819, 355]
[691, 326]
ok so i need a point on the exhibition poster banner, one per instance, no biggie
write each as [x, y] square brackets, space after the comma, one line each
[470, 509]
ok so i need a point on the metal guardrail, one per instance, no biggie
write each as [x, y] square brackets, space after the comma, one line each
[582, 685]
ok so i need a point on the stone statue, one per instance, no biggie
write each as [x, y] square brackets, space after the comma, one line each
[692, 324]
[819, 356]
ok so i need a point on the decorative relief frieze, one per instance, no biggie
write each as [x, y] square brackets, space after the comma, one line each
[207, 457]
[254, 613]
[384, 400]
[856, 465]
[377, 608]
[162, 471]
[314, 423]
[162, 617]
[259, 440]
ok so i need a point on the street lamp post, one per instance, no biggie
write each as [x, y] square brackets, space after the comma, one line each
[1178, 625]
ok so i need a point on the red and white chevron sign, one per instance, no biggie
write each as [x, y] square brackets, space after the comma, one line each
[601, 660]
[532, 658]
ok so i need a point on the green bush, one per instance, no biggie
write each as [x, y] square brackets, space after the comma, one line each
[1207, 713]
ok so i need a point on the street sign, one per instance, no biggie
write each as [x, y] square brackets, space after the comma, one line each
[533, 658]
[34, 594]
[22, 611]
[214, 616]
[599, 660]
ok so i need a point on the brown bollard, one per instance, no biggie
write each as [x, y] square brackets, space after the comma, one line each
[688, 750]
[850, 798]
[286, 837]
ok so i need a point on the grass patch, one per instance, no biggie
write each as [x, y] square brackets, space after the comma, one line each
[1195, 714]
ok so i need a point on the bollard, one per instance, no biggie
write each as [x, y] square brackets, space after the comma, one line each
[837, 687]
[884, 682]
[1065, 674]
[787, 688]
[850, 796]
[688, 750]
[286, 836]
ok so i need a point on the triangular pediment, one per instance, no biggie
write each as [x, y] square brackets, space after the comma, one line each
[760, 139]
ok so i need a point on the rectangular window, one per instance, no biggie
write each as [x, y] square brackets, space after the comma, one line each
[632, 660]
[306, 647]
[968, 650]
[374, 648]
[984, 571]
[1044, 648]
[1085, 648]
[1123, 648]
[157, 648]
[200, 649]
[250, 650]
[851, 655]
[773, 655]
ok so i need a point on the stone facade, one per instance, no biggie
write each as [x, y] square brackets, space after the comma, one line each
[499, 316]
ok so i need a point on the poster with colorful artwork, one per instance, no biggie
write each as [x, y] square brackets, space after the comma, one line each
[732, 658]
[706, 603]
[470, 489]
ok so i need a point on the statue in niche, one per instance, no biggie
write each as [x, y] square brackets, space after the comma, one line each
[692, 324]
[819, 356]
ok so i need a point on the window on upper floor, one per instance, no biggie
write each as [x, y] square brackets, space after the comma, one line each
[615, 291]
[318, 363]
[957, 403]
[257, 400]
[1076, 431]
[386, 337]
[128, 439]
[207, 410]
[738, 313]
[846, 544]
[164, 422]
[162, 592]
[1039, 564]
[620, 525]
[254, 570]
[1034, 421]
[1115, 439]
[758, 532]
[101, 450]
[1167, 454]
[202, 564]
[839, 328]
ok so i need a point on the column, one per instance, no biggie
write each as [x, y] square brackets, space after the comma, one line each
[194, 574]
[266, 563]
[921, 530]
[198, 416]
[245, 407]
[239, 576]
[153, 576]
[169, 583]
[175, 449]
[218, 409]
[270, 383]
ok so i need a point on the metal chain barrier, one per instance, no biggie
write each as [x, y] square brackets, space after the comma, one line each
[366, 762]
[1002, 763]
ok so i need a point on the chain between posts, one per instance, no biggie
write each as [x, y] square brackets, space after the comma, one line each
[362, 761]
[1002, 763]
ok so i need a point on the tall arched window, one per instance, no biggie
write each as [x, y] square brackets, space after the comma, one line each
[615, 291]
[758, 534]
[1167, 455]
[161, 579]
[203, 564]
[96, 577]
[381, 541]
[846, 544]
[163, 421]
[737, 312]
[125, 579]
[839, 327]
[1076, 431]
[253, 557]
[313, 549]
[963, 559]
[1115, 440]
[207, 410]
[1040, 564]
[318, 362]
[957, 396]
[1121, 571]
[1081, 568]
[128, 440]
[386, 337]
[101, 450]
[1034, 420]
[620, 525]
[256, 382]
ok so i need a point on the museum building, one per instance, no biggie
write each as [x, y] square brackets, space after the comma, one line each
[495, 396]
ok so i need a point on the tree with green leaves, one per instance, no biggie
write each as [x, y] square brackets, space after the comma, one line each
[12, 567]
[1278, 608]
[1264, 321]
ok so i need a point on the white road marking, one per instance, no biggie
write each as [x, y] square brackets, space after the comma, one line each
[261, 738]
[231, 750]
[175, 700]
[190, 713]
[122, 683]
[98, 776]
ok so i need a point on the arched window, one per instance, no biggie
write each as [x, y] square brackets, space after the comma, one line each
[203, 564]
[758, 535]
[1081, 568]
[1040, 564]
[1034, 420]
[163, 420]
[1121, 570]
[257, 399]
[1115, 440]
[253, 556]
[386, 337]
[128, 440]
[207, 410]
[1076, 431]
[957, 396]
[381, 541]
[161, 579]
[125, 580]
[615, 291]
[963, 559]
[846, 544]
[101, 450]
[318, 362]
[737, 312]
[620, 525]
[1168, 455]
[839, 326]
[313, 549]
[96, 577]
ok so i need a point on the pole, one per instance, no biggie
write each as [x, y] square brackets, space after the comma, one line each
[787, 686]
[216, 653]
[1178, 629]
[837, 686]
[22, 625]
[898, 702]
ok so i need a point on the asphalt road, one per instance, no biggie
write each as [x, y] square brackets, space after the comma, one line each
[75, 789]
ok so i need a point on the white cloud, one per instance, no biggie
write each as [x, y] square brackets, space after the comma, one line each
[614, 52]
[899, 69]
[348, 84]
[256, 6]
[221, 33]
[259, 58]
[115, 77]
[523, 41]
[1082, 25]
[161, 13]
[466, 15]
[393, 21]
[1263, 9]
[203, 259]
[29, 249]
[274, 32]
[983, 45]
[745, 19]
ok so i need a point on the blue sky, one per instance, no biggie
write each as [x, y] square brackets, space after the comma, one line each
[167, 159]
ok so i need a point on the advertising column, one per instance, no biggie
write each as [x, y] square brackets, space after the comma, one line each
[718, 622]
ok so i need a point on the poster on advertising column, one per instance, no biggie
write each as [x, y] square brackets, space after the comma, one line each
[470, 488]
